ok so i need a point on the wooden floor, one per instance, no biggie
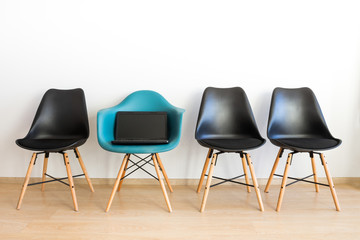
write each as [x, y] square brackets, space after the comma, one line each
[140, 212]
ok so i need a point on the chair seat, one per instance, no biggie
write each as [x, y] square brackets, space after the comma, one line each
[307, 144]
[50, 145]
[232, 145]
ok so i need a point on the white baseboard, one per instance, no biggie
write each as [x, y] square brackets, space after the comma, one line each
[185, 182]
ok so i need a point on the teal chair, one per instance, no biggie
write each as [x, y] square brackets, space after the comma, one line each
[140, 101]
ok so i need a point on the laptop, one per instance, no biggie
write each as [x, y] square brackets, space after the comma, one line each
[140, 128]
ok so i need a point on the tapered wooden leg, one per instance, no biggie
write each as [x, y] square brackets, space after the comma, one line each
[71, 181]
[164, 172]
[26, 181]
[123, 175]
[46, 158]
[283, 184]
[254, 180]
[84, 169]
[331, 184]
[117, 182]
[204, 169]
[208, 182]
[157, 169]
[245, 172]
[314, 172]
[281, 150]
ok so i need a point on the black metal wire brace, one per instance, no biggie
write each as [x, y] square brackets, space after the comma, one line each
[137, 164]
[302, 179]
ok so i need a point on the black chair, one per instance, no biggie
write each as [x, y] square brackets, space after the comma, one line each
[296, 123]
[226, 124]
[60, 124]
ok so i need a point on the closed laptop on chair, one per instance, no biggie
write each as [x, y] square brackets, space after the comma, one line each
[140, 128]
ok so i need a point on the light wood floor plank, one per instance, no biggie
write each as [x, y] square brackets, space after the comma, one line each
[138, 212]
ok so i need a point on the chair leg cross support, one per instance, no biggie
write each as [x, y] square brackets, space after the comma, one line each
[44, 174]
[315, 182]
[229, 180]
[138, 166]
[159, 168]
[301, 180]
[244, 157]
[55, 180]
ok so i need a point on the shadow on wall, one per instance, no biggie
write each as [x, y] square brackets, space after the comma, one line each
[17, 127]
[356, 144]
[262, 158]
[188, 141]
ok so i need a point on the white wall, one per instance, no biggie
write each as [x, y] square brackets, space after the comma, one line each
[178, 48]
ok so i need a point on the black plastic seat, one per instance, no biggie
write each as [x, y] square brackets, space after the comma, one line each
[50, 145]
[60, 124]
[296, 123]
[226, 123]
[231, 144]
[305, 144]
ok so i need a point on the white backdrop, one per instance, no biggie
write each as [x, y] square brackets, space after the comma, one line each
[178, 48]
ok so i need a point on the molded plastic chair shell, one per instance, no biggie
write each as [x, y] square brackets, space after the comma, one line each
[297, 123]
[226, 121]
[144, 100]
[60, 123]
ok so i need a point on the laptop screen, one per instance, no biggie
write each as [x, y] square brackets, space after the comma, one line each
[141, 128]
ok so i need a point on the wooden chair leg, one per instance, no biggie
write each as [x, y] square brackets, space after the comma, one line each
[123, 174]
[210, 152]
[245, 172]
[71, 181]
[281, 150]
[283, 184]
[163, 172]
[26, 181]
[117, 182]
[84, 169]
[208, 182]
[331, 184]
[314, 172]
[46, 158]
[254, 180]
[161, 182]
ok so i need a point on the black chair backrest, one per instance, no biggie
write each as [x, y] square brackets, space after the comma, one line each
[61, 114]
[225, 113]
[295, 113]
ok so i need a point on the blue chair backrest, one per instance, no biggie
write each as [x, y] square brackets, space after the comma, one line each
[144, 100]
